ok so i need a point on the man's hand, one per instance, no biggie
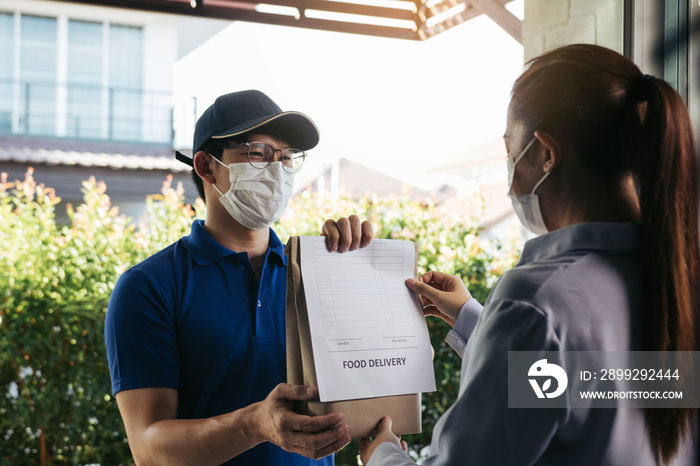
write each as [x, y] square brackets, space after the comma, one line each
[442, 295]
[347, 233]
[384, 434]
[313, 437]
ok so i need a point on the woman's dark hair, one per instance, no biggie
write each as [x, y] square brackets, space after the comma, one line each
[620, 122]
[215, 148]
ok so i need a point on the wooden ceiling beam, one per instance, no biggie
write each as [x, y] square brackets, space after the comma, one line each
[244, 10]
[340, 7]
[498, 12]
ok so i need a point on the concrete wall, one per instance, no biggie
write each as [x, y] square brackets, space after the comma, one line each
[552, 23]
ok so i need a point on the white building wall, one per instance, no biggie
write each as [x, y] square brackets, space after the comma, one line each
[160, 32]
[160, 51]
[553, 23]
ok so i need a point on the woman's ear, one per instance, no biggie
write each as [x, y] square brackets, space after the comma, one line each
[202, 166]
[552, 150]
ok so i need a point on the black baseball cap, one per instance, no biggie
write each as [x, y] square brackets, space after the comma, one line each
[238, 113]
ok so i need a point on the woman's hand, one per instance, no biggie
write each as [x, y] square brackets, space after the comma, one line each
[384, 434]
[347, 233]
[441, 295]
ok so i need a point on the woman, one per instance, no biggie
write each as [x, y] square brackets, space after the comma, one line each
[601, 163]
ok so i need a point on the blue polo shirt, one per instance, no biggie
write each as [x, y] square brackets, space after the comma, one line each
[194, 318]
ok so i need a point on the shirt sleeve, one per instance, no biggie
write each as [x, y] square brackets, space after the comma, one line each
[389, 454]
[479, 428]
[140, 334]
[464, 326]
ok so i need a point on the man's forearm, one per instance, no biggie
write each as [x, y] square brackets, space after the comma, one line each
[196, 441]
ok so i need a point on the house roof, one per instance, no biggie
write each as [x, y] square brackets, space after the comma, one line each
[486, 164]
[479, 157]
[118, 156]
[130, 171]
[358, 180]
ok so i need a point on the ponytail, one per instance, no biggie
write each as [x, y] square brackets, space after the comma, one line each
[667, 175]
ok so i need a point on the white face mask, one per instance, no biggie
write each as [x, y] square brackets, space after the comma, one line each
[257, 197]
[526, 206]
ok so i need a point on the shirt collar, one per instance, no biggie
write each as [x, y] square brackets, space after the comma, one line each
[623, 237]
[276, 246]
[206, 250]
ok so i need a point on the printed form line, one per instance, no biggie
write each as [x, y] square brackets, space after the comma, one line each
[373, 349]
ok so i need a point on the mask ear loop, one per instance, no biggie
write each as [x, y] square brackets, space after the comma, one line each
[222, 163]
[540, 182]
[516, 161]
[524, 151]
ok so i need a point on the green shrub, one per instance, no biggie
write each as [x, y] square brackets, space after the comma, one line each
[55, 393]
[56, 405]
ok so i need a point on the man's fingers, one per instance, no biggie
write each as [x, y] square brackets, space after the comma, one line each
[316, 440]
[338, 234]
[355, 232]
[314, 437]
[330, 231]
[294, 392]
[367, 233]
[345, 234]
[323, 452]
[307, 424]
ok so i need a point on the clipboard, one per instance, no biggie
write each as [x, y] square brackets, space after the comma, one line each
[362, 415]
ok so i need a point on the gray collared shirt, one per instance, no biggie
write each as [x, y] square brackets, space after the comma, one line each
[575, 289]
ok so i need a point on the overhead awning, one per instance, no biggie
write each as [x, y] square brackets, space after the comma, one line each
[399, 19]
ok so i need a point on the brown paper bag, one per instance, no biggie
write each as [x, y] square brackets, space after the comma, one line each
[361, 416]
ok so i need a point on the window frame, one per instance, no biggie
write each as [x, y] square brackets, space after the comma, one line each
[663, 38]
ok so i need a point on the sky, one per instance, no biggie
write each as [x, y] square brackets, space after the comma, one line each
[397, 106]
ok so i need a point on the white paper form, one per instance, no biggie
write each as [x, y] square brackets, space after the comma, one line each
[368, 333]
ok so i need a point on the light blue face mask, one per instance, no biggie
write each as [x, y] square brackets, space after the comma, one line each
[526, 206]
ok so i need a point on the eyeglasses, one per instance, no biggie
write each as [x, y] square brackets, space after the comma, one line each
[261, 155]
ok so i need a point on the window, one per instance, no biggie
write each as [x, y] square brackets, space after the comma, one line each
[84, 90]
[662, 37]
[7, 32]
[74, 78]
[37, 73]
[125, 80]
